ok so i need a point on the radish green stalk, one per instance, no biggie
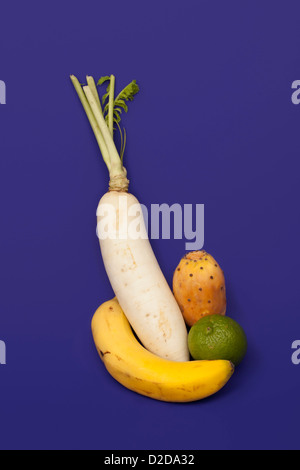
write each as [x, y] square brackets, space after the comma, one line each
[93, 122]
[111, 104]
[117, 172]
[91, 83]
[130, 263]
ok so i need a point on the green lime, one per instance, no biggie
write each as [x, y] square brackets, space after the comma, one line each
[217, 337]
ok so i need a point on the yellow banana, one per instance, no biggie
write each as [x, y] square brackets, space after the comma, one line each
[143, 372]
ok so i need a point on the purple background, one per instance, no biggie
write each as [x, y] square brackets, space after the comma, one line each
[213, 124]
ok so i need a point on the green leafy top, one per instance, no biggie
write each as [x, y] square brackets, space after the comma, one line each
[104, 114]
[127, 94]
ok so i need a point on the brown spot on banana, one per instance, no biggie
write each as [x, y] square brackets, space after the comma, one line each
[102, 354]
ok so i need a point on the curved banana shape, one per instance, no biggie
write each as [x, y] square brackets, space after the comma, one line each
[143, 372]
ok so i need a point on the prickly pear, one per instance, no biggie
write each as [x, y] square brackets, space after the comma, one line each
[199, 287]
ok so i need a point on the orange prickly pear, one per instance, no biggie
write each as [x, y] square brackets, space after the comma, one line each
[199, 287]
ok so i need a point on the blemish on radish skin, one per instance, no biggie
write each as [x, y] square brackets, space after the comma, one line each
[164, 325]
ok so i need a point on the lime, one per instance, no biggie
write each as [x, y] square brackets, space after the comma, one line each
[218, 337]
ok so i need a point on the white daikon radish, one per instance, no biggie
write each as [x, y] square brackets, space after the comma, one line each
[133, 271]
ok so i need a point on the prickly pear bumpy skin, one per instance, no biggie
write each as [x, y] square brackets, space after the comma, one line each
[199, 287]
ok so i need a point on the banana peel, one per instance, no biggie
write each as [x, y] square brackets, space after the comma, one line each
[137, 369]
